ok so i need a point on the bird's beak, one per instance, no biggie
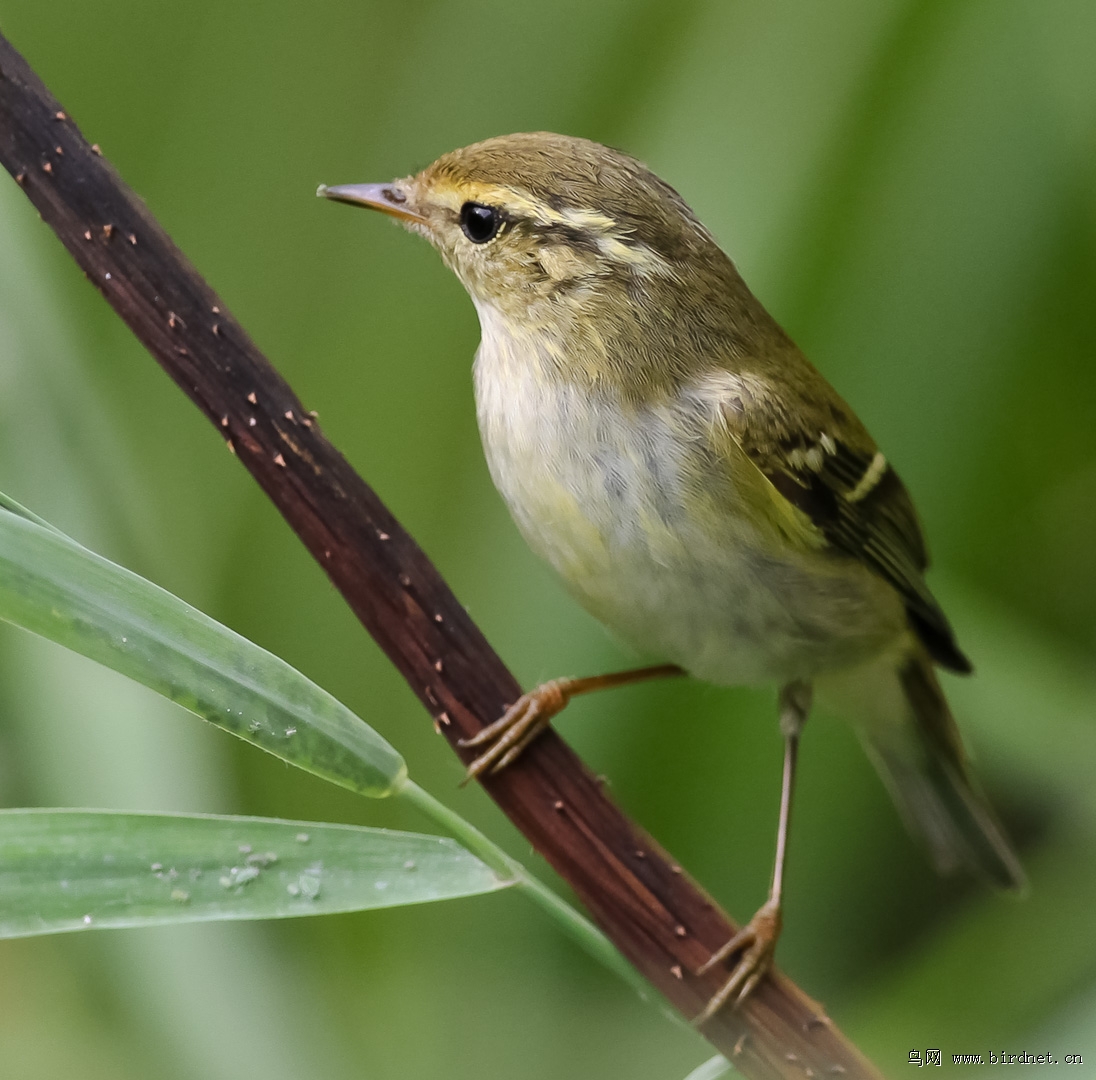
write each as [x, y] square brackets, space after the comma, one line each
[383, 197]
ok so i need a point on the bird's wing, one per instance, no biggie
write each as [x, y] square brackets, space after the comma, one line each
[820, 459]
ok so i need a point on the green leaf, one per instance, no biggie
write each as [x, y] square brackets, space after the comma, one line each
[710, 1069]
[51, 585]
[9, 504]
[82, 869]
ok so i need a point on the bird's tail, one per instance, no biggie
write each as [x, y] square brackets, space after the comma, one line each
[909, 733]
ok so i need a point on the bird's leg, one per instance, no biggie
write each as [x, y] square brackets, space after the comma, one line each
[523, 721]
[756, 941]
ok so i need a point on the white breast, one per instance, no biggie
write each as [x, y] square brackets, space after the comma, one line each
[601, 491]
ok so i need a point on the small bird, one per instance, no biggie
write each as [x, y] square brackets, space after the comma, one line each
[698, 486]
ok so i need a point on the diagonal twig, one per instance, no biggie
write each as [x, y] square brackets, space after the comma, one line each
[660, 919]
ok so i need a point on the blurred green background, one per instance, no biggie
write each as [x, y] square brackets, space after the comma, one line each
[910, 187]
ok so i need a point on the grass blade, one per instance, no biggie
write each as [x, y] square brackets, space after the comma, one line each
[710, 1069]
[66, 870]
[52, 586]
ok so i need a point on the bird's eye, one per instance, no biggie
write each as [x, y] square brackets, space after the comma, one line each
[480, 223]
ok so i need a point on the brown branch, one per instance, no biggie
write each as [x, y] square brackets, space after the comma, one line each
[659, 919]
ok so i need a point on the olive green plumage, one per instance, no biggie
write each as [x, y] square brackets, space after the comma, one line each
[697, 484]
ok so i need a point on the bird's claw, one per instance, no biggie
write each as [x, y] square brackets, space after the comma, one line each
[507, 738]
[755, 943]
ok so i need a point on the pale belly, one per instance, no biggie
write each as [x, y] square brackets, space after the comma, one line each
[617, 508]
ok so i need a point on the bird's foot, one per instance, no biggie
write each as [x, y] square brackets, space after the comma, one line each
[507, 738]
[755, 944]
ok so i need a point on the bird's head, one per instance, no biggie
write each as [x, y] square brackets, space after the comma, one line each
[533, 219]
